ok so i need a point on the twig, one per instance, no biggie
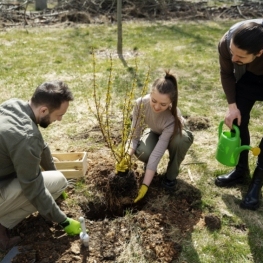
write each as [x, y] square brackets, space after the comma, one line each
[239, 11]
[26, 5]
[222, 13]
[194, 163]
[190, 175]
[63, 235]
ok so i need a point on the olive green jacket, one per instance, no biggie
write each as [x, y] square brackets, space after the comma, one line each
[22, 154]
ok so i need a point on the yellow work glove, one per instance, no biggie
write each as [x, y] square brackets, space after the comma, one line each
[124, 164]
[142, 192]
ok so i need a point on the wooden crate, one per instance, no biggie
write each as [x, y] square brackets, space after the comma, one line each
[72, 165]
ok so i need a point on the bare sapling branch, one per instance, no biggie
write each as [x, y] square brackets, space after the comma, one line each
[103, 115]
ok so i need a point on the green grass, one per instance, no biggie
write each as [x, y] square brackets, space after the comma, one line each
[30, 56]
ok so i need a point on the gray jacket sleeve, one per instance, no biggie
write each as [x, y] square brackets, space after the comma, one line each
[26, 156]
[47, 162]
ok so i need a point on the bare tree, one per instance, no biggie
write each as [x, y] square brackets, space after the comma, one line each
[119, 21]
[119, 40]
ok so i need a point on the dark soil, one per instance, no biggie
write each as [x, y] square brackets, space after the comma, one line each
[160, 221]
[197, 123]
[107, 224]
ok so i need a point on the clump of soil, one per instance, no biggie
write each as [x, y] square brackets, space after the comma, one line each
[119, 191]
[212, 222]
[196, 123]
[122, 189]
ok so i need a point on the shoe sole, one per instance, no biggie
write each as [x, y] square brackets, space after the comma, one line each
[230, 184]
[169, 189]
[253, 208]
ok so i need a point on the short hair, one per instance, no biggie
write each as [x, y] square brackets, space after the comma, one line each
[52, 94]
[249, 37]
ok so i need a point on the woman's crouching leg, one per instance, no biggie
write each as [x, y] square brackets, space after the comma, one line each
[178, 148]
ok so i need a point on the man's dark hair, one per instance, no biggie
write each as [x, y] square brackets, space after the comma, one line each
[52, 95]
[249, 37]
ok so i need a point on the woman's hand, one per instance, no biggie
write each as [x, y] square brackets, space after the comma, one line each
[142, 192]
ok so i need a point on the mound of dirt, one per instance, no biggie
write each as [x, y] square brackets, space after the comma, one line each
[197, 123]
[158, 222]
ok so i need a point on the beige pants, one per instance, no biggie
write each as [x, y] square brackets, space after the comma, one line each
[14, 206]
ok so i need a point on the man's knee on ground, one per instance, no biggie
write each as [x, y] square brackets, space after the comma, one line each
[62, 181]
[55, 181]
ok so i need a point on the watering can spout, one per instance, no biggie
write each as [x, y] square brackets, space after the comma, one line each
[255, 150]
[238, 150]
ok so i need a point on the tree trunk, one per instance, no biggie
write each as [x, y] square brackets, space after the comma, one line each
[119, 21]
[40, 5]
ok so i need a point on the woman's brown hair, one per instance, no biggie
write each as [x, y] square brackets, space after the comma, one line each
[168, 85]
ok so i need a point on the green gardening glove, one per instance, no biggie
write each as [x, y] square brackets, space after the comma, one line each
[142, 192]
[71, 226]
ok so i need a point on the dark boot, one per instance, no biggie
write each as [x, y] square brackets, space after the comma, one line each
[169, 184]
[238, 176]
[5, 241]
[251, 200]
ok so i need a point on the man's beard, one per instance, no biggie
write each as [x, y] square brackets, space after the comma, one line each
[45, 121]
[239, 63]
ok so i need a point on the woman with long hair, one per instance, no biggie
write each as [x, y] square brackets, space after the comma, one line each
[157, 125]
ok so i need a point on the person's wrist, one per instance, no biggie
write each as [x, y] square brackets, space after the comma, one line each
[130, 151]
[64, 223]
[232, 106]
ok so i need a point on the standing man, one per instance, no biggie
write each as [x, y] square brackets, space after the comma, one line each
[24, 188]
[241, 71]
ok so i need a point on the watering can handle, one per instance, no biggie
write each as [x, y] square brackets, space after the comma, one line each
[221, 127]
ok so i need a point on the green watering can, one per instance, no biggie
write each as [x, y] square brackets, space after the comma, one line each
[229, 146]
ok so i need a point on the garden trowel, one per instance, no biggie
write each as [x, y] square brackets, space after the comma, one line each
[18, 250]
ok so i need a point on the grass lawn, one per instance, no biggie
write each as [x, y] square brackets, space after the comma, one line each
[30, 56]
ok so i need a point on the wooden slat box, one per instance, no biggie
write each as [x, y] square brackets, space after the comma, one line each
[72, 165]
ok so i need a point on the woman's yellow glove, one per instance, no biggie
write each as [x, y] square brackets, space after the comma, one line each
[142, 192]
